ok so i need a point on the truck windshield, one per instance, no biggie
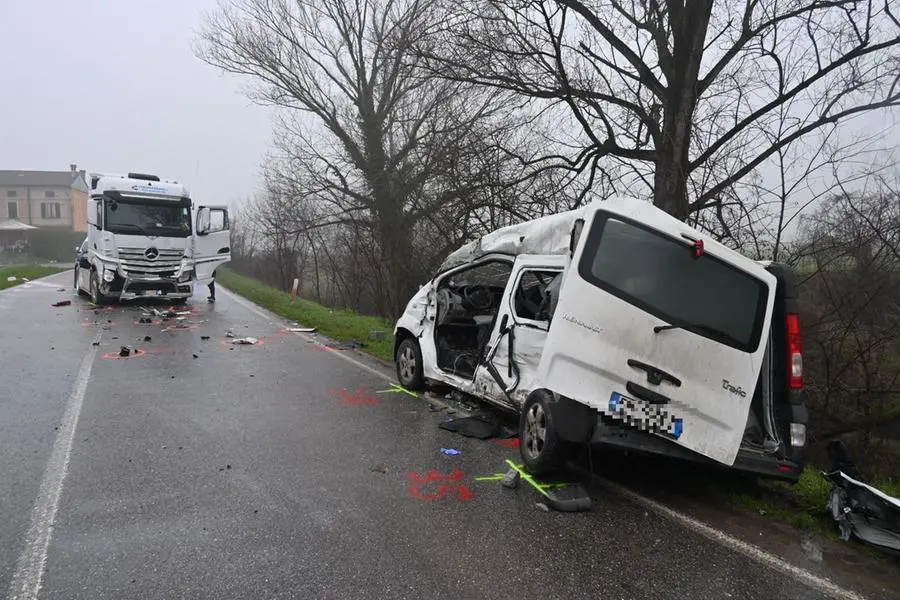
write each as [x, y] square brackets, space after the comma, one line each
[659, 275]
[147, 217]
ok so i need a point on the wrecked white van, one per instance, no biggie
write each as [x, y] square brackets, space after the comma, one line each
[618, 324]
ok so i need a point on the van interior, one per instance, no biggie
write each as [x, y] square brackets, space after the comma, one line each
[467, 305]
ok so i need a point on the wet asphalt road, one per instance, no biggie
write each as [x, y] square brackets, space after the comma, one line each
[249, 472]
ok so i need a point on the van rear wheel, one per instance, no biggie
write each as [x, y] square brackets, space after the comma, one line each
[542, 451]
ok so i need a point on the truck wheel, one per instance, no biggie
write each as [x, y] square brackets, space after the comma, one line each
[542, 451]
[409, 365]
[96, 297]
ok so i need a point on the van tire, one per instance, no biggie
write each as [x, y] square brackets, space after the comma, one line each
[543, 452]
[408, 362]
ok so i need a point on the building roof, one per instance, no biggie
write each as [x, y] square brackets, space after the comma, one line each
[14, 225]
[39, 178]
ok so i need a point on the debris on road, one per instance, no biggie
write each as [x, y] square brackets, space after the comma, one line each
[146, 320]
[246, 341]
[511, 479]
[62, 289]
[125, 351]
[147, 338]
[301, 329]
[229, 334]
[451, 451]
[379, 468]
[62, 303]
[859, 509]
[348, 345]
[204, 337]
[482, 426]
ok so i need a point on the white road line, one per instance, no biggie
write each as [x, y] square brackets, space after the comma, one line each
[749, 550]
[720, 537]
[26, 581]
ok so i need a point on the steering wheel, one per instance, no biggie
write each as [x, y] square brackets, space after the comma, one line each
[471, 294]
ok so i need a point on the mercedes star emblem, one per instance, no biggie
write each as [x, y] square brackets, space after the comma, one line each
[151, 253]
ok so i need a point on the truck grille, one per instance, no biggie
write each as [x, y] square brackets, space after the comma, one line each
[135, 262]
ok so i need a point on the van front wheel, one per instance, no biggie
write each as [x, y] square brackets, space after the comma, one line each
[542, 451]
[409, 365]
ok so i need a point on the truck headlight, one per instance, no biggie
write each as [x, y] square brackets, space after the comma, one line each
[108, 275]
[185, 276]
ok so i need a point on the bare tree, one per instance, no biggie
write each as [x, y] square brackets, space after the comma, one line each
[367, 138]
[683, 94]
[850, 271]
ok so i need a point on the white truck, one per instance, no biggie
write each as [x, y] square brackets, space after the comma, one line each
[147, 238]
[642, 333]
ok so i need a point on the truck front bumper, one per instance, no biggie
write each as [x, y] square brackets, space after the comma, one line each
[133, 287]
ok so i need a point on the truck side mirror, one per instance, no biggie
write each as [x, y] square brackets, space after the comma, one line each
[203, 221]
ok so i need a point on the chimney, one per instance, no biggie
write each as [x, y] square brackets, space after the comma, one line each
[73, 168]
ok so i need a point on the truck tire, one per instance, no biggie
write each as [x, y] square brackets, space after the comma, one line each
[409, 365]
[78, 289]
[96, 297]
[543, 452]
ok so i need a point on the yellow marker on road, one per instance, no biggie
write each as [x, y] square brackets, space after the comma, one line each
[397, 389]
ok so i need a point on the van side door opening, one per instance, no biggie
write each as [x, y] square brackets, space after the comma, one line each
[467, 305]
[510, 369]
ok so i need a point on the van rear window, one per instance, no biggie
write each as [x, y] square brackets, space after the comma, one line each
[660, 275]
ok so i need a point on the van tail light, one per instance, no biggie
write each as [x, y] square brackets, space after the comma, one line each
[795, 352]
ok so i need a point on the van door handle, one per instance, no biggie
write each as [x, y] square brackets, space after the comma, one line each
[655, 376]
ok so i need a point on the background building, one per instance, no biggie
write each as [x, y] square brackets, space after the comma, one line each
[45, 199]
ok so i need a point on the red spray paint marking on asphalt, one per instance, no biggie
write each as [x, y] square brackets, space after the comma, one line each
[97, 324]
[228, 342]
[136, 353]
[106, 309]
[446, 484]
[358, 398]
[512, 443]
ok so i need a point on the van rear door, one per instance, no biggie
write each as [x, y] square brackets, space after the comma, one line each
[661, 328]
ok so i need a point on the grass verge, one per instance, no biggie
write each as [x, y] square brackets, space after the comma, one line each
[23, 272]
[802, 505]
[341, 325]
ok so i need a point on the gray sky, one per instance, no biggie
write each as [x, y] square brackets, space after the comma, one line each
[113, 85]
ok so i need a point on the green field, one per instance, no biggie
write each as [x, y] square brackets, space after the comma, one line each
[23, 272]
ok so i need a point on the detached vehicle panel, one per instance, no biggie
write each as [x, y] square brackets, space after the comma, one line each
[642, 333]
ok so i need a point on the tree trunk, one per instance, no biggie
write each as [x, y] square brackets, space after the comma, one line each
[689, 25]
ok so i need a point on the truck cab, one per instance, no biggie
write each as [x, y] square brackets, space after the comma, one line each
[147, 238]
